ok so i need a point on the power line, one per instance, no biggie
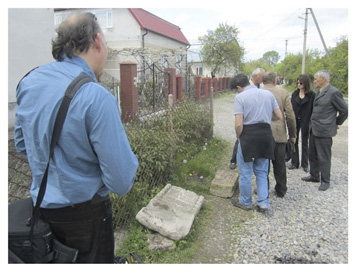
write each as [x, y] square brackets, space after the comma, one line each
[276, 25]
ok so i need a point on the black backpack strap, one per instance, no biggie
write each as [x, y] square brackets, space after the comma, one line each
[73, 87]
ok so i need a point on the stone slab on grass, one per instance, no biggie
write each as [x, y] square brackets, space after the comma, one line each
[171, 212]
[157, 241]
[224, 183]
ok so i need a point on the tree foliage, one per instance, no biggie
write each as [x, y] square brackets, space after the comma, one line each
[221, 49]
[271, 58]
[336, 63]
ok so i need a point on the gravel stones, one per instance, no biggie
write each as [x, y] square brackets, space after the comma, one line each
[307, 225]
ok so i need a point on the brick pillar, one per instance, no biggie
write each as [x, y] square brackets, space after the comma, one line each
[215, 85]
[170, 83]
[220, 84]
[179, 79]
[129, 91]
[224, 83]
[227, 83]
[205, 80]
[198, 87]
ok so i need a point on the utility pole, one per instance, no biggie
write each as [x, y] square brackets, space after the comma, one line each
[304, 44]
[319, 31]
[286, 49]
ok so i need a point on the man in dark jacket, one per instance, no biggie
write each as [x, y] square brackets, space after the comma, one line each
[329, 111]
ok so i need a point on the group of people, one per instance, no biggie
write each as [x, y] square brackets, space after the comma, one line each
[266, 117]
[93, 157]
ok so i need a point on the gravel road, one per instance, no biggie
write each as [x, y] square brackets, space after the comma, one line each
[306, 226]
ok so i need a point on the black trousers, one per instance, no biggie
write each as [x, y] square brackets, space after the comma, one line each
[320, 157]
[279, 169]
[87, 227]
[304, 148]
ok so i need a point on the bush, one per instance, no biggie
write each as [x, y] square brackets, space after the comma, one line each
[158, 141]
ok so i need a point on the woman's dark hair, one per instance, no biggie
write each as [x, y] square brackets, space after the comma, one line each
[305, 80]
[75, 35]
[240, 80]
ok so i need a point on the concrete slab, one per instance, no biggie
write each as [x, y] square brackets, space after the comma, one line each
[171, 212]
[157, 241]
[224, 183]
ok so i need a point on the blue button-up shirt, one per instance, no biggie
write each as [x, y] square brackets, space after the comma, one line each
[93, 154]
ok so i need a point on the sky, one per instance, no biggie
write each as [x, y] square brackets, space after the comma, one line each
[267, 31]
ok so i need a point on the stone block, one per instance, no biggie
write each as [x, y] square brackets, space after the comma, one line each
[157, 241]
[224, 183]
[171, 212]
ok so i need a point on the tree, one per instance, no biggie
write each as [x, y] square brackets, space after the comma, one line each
[221, 50]
[271, 58]
[338, 65]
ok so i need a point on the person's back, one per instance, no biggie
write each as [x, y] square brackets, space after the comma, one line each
[258, 105]
[75, 173]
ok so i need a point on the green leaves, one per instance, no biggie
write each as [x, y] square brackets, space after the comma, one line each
[221, 49]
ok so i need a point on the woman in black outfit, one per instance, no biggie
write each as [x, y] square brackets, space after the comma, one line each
[302, 102]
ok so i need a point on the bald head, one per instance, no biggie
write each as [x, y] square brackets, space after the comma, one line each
[75, 35]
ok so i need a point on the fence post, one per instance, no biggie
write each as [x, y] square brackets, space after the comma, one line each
[205, 80]
[220, 84]
[179, 79]
[170, 131]
[128, 90]
[170, 82]
[198, 87]
[215, 85]
[211, 107]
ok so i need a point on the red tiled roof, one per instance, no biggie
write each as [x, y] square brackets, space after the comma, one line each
[149, 21]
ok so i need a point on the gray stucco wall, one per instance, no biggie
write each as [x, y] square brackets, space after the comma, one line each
[29, 45]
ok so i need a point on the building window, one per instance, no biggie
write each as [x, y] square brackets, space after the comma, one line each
[199, 70]
[105, 18]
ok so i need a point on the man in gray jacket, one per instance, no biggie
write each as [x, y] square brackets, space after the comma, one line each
[329, 111]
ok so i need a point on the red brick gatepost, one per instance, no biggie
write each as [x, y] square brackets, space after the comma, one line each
[198, 87]
[220, 84]
[128, 90]
[215, 86]
[206, 86]
[179, 79]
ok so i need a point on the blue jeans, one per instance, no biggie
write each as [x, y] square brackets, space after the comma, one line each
[260, 168]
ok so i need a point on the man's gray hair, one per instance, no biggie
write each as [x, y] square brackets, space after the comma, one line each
[324, 74]
[257, 72]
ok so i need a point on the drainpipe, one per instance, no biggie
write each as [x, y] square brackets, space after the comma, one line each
[187, 69]
[143, 46]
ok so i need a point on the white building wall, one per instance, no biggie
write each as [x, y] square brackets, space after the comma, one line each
[30, 33]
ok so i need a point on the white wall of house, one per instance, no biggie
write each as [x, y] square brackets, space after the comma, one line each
[29, 46]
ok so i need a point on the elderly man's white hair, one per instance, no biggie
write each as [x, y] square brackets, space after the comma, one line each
[257, 72]
[324, 74]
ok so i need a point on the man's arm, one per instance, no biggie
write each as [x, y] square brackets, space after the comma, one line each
[239, 125]
[341, 106]
[109, 140]
[290, 119]
[277, 112]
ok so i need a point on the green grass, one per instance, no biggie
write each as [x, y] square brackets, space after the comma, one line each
[195, 175]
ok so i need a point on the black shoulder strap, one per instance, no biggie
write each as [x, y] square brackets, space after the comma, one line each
[73, 87]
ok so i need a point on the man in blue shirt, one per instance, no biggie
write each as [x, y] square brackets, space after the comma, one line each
[92, 156]
[253, 109]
